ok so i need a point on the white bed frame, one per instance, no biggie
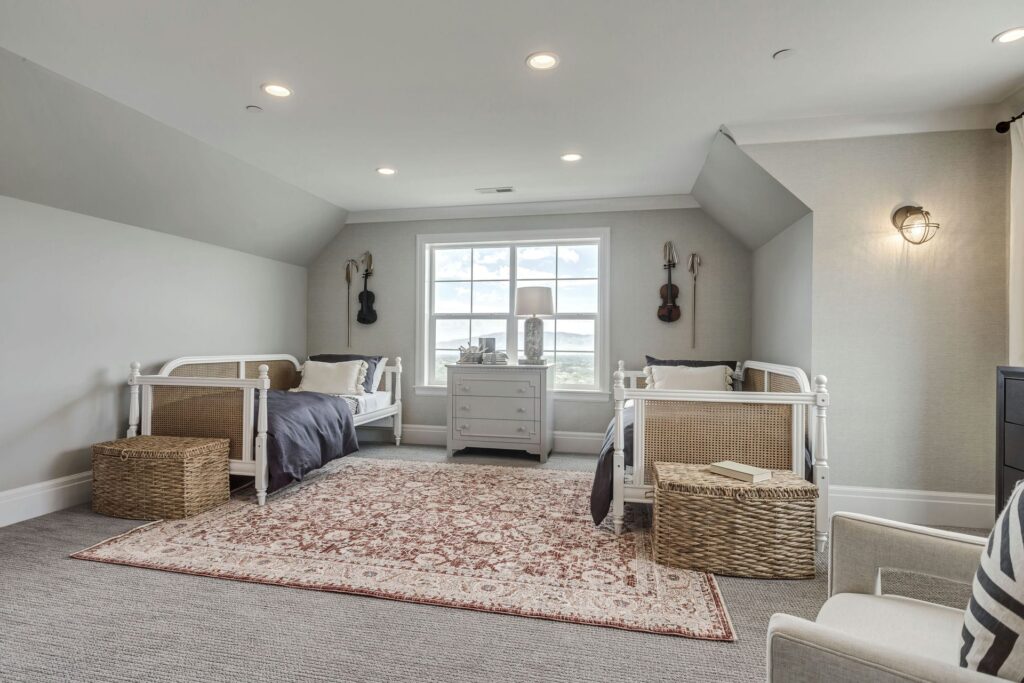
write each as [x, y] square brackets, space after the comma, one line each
[253, 462]
[630, 487]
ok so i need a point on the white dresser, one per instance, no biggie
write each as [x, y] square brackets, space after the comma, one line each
[501, 406]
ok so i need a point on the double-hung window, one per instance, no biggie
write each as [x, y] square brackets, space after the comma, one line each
[467, 289]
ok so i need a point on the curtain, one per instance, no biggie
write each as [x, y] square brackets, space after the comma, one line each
[1016, 284]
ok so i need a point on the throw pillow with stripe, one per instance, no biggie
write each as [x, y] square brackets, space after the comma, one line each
[991, 638]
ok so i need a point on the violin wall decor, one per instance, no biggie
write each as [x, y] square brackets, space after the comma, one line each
[669, 311]
[366, 314]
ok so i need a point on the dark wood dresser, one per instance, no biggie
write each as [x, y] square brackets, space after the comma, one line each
[1009, 431]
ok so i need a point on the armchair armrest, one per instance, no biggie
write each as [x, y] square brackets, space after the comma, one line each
[800, 650]
[862, 546]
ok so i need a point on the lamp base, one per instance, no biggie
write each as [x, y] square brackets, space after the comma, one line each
[533, 361]
[533, 341]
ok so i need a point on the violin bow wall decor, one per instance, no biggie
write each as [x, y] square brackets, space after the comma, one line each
[668, 311]
[366, 314]
[693, 266]
[351, 266]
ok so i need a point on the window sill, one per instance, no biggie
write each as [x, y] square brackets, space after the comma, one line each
[579, 395]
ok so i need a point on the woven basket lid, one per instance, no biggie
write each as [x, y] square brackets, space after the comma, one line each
[161, 446]
[700, 480]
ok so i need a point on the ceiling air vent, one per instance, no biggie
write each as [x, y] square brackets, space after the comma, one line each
[495, 190]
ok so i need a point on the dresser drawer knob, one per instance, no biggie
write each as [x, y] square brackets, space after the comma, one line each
[522, 390]
[521, 429]
[521, 410]
[463, 407]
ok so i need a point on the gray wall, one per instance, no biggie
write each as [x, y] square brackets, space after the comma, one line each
[909, 336]
[64, 145]
[743, 197]
[82, 297]
[781, 316]
[636, 252]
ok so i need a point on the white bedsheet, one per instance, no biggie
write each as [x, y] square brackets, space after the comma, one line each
[369, 402]
[366, 403]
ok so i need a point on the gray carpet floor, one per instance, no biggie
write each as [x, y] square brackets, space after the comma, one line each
[71, 620]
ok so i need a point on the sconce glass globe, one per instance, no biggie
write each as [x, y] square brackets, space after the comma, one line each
[914, 224]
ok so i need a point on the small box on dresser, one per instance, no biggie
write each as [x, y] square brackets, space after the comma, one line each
[501, 406]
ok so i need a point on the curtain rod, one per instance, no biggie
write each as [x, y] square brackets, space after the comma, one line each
[1004, 126]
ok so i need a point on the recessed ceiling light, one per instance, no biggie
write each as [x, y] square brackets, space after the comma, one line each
[571, 156]
[385, 170]
[276, 90]
[542, 61]
[1009, 35]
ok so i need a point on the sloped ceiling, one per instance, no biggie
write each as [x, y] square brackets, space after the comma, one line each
[69, 147]
[742, 197]
[440, 90]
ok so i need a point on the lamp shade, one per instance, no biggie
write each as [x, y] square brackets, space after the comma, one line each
[534, 301]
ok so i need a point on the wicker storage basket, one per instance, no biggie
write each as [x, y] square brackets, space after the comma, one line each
[159, 477]
[714, 523]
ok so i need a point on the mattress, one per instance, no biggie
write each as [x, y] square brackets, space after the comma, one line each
[367, 403]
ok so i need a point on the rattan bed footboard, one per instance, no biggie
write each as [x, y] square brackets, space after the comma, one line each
[767, 424]
[215, 396]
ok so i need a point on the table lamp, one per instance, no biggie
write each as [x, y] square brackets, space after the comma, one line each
[534, 301]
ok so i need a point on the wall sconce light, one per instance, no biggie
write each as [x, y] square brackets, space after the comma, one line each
[914, 224]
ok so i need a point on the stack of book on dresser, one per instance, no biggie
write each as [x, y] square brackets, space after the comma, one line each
[747, 473]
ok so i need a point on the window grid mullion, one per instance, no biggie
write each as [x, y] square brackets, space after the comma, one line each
[511, 324]
[512, 329]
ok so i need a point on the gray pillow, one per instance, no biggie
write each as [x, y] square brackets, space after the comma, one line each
[371, 365]
[651, 360]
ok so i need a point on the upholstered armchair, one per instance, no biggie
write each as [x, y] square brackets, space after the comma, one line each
[861, 634]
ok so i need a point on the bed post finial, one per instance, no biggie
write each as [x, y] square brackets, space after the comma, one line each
[397, 419]
[262, 475]
[622, 366]
[133, 400]
[820, 455]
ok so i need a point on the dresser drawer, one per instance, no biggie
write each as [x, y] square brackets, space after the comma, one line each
[468, 384]
[1013, 445]
[1010, 479]
[495, 407]
[472, 429]
[1014, 401]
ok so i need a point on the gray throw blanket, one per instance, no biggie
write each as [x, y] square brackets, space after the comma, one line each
[305, 431]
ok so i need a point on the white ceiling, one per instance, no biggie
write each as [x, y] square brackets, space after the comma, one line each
[439, 90]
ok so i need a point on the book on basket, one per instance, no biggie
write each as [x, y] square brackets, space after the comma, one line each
[736, 470]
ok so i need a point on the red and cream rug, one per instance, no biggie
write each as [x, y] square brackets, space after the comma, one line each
[498, 539]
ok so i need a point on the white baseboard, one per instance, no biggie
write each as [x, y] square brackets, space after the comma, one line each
[436, 435]
[588, 443]
[421, 435]
[931, 508]
[26, 502]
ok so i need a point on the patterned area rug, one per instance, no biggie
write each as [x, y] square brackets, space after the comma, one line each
[498, 539]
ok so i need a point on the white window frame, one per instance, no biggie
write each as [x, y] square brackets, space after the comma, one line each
[515, 238]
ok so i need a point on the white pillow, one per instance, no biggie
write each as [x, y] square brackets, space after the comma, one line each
[333, 378]
[712, 378]
[378, 372]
